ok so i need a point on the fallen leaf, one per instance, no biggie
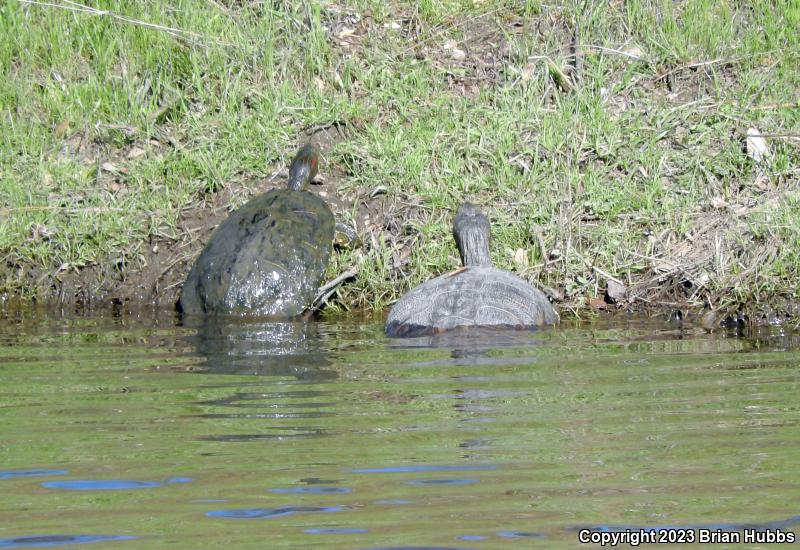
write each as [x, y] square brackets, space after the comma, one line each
[136, 152]
[528, 72]
[634, 51]
[615, 292]
[521, 257]
[458, 55]
[757, 148]
[451, 47]
[114, 186]
[719, 203]
[61, 128]
[709, 320]
[597, 303]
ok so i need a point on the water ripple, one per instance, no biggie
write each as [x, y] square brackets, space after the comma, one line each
[8, 474]
[314, 490]
[38, 541]
[110, 484]
[255, 513]
[451, 481]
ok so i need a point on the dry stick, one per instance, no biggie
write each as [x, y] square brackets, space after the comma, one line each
[81, 8]
[328, 289]
[89, 209]
[695, 65]
[606, 275]
[612, 50]
[173, 264]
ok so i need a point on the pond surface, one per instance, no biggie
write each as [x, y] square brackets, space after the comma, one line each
[139, 433]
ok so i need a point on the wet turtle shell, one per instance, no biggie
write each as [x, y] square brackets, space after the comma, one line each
[475, 296]
[267, 259]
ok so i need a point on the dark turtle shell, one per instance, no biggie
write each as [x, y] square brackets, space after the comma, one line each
[479, 296]
[267, 259]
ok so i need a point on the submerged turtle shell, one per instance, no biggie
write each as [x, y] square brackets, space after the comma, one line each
[476, 296]
[266, 259]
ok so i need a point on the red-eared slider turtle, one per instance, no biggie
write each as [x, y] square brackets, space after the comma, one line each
[267, 258]
[477, 294]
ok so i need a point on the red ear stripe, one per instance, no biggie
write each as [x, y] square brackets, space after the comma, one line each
[314, 162]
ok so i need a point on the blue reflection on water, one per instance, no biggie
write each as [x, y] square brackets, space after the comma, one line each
[174, 480]
[7, 474]
[255, 513]
[314, 490]
[450, 481]
[38, 541]
[519, 535]
[100, 484]
[109, 484]
[424, 468]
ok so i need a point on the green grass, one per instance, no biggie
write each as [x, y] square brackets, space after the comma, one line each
[639, 167]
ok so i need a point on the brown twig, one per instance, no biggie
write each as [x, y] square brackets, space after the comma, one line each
[327, 290]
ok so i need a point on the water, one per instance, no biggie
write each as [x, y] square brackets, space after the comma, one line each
[139, 433]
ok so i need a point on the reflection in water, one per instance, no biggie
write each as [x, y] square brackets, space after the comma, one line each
[343, 531]
[8, 474]
[236, 346]
[41, 541]
[110, 484]
[448, 481]
[241, 346]
[520, 535]
[471, 346]
[459, 438]
[314, 490]
[257, 513]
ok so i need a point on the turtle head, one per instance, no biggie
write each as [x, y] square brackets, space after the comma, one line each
[304, 167]
[471, 231]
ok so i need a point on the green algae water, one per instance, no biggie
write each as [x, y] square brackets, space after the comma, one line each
[122, 433]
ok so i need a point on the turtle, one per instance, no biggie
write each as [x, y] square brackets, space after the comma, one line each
[268, 258]
[475, 295]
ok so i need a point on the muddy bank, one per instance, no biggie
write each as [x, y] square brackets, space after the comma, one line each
[667, 291]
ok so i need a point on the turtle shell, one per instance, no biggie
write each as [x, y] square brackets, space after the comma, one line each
[267, 259]
[474, 296]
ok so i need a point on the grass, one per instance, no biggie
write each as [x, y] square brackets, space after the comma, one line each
[115, 132]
